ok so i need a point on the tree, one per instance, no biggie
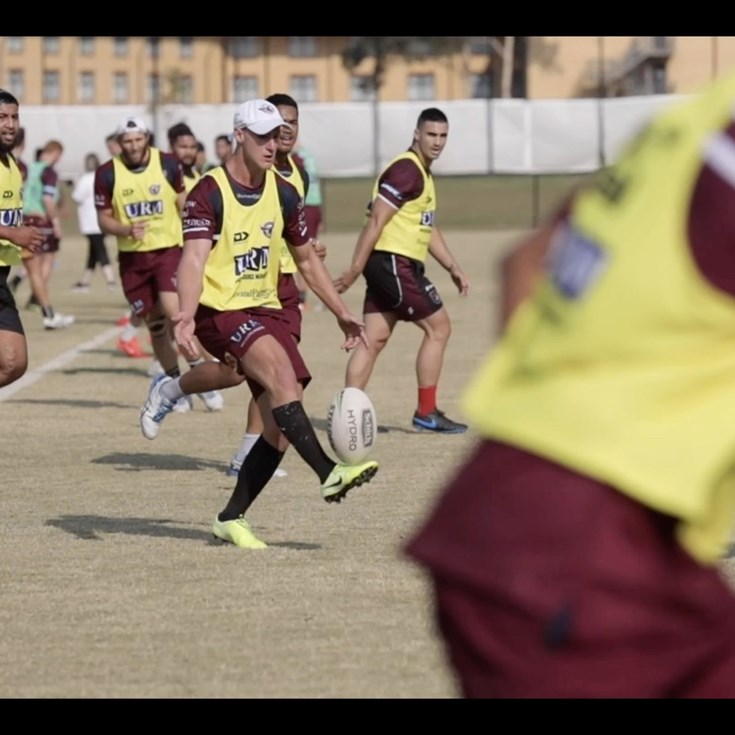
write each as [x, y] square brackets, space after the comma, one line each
[380, 49]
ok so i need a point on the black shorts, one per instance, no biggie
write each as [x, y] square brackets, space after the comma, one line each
[397, 284]
[9, 317]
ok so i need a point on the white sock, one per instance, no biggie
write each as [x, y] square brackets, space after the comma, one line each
[171, 390]
[129, 331]
[248, 440]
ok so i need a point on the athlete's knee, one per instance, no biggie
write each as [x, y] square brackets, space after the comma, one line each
[11, 369]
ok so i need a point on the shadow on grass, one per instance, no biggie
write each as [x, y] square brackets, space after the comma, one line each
[94, 528]
[138, 462]
[74, 403]
[136, 371]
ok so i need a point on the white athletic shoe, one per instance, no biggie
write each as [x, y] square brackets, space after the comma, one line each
[184, 404]
[155, 409]
[234, 470]
[213, 400]
[154, 368]
[58, 321]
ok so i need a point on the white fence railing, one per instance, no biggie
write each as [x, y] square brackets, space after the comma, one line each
[354, 139]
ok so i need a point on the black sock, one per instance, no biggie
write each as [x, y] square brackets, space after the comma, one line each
[174, 372]
[257, 469]
[48, 311]
[292, 420]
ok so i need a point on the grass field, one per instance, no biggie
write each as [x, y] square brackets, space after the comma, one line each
[465, 202]
[112, 584]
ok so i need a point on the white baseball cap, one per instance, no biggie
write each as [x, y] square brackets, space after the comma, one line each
[258, 115]
[131, 124]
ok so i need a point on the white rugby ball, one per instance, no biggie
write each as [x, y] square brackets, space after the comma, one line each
[352, 425]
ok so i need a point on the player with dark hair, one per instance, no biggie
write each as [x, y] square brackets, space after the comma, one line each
[398, 234]
[14, 237]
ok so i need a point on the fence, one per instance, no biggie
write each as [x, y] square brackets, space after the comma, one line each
[355, 139]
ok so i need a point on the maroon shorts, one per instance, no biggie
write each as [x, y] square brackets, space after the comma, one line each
[551, 584]
[288, 295]
[50, 242]
[233, 332]
[144, 275]
[313, 216]
[398, 285]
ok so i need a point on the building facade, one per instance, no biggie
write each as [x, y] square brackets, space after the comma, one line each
[130, 70]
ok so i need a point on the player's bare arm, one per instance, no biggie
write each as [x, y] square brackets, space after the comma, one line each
[110, 225]
[521, 268]
[317, 277]
[189, 280]
[380, 214]
[440, 252]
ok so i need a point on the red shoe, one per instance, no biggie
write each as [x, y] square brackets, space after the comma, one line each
[123, 321]
[131, 347]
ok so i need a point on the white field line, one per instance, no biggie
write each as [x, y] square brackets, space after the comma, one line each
[57, 362]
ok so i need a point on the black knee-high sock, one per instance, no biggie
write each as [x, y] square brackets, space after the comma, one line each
[292, 420]
[257, 469]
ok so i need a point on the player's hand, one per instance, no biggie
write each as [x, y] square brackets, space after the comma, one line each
[28, 238]
[137, 230]
[320, 248]
[344, 281]
[184, 334]
[460, 280]
[354, 331]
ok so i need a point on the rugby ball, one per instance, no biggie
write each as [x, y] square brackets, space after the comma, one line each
[352, 426]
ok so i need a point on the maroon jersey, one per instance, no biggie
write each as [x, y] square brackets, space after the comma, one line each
[400, 183]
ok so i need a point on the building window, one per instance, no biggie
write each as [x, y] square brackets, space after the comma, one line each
[153, 88]
[51, 86]
[15, 83]
[183, 89]
[51, 45]
[121, 46]
[186, 47]
[303, 88]
[85, 93]
[154, 46]
[302, 46]
[481, 86]
[244, 47]
[244, 88]
[14, 44]
[361, 88]
[120, 87]
[86, 45]
[480, 45]
[421, 87]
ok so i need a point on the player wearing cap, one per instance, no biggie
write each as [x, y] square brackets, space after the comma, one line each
[228, 291]
[139, 196]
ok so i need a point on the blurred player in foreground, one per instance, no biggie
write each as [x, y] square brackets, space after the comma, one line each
[575, 552]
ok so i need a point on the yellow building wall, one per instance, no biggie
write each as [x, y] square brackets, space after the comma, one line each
[558, 67]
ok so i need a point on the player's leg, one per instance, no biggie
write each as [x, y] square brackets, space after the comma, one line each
[165, 274]
[423, 306]
[378, 329]
[13, 347]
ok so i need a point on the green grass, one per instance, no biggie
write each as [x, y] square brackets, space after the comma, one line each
[465, 202]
